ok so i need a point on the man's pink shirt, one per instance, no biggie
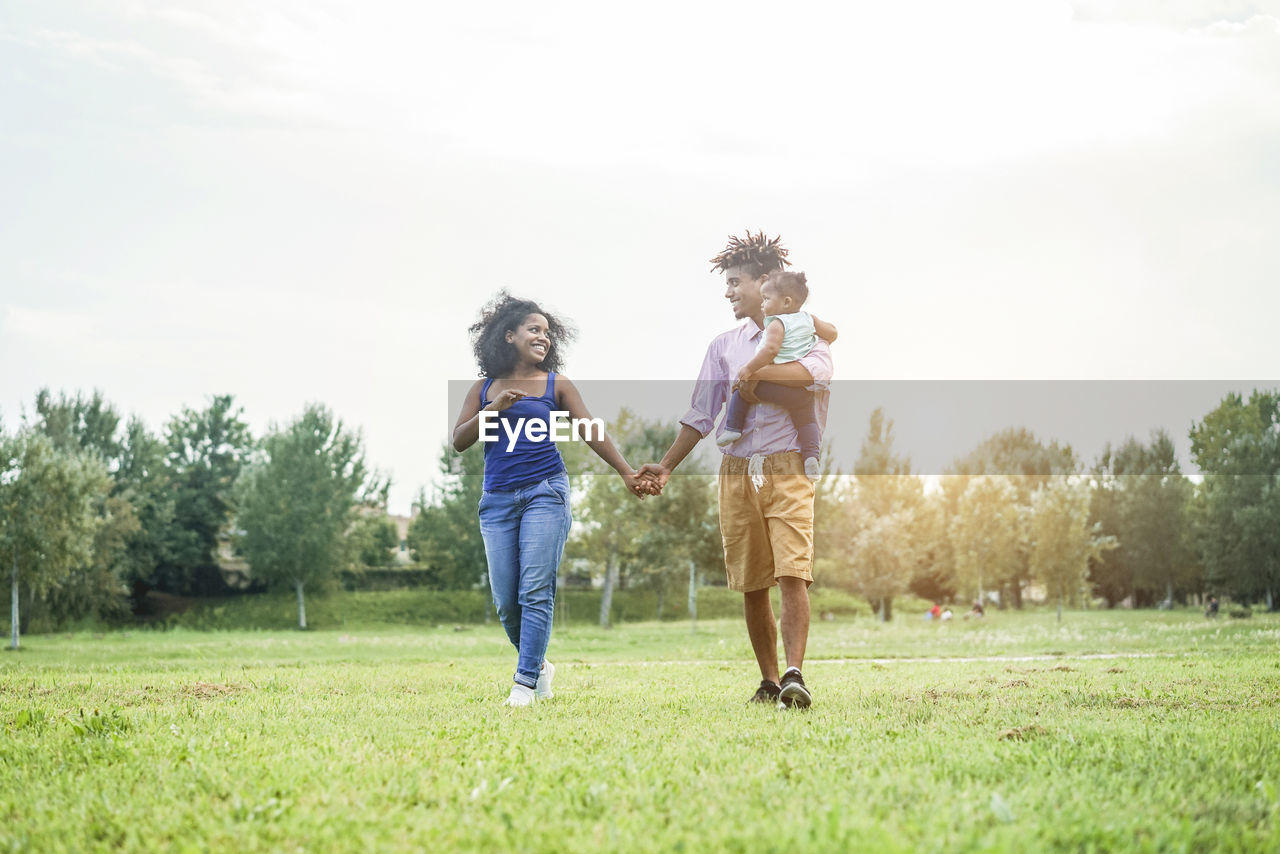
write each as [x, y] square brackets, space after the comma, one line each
[768, 428]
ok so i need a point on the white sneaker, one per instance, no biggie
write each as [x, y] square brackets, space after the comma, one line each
[728, 437]
[811, 468]
[543, 691]
[521, 695]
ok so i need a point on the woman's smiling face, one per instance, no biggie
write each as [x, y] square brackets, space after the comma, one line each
[532, 339]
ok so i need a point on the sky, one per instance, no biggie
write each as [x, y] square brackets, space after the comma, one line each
[310, 201]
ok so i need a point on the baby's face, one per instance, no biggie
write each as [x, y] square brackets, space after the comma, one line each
[772, 302]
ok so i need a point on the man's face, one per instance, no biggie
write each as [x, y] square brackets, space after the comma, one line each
[743, 292]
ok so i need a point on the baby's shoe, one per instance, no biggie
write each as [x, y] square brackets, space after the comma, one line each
[728, 437]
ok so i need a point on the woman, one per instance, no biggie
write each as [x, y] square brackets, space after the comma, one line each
[524, 511]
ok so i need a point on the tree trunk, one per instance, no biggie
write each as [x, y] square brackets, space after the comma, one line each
[882, 610]
[13, 602]
[1059, 607]
[610, 580]
[660, 597]
[302, 606]
[1270, 600]
[693, 597]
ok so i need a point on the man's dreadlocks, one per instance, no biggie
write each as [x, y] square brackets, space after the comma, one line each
[756, 252]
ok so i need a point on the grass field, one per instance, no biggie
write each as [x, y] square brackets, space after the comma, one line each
[1110, 732]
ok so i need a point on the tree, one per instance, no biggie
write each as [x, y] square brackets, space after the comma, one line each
[612, 522]
[935, 575]
[1143, 501]
[95, 588]
[298, 502]
[1020, 456]
[445, 535]
[884, 557]
[80, 424]
[681, 531]
[89, 426]
[47, 514]
[143, 478]
[985, 535]
[1027, 463]
[678, 533]
[373, 539]
[1237, 447]
[206, 451]
[1062, 539]
[885, 549]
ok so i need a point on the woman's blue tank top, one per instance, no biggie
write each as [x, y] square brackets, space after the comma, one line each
[529, 461]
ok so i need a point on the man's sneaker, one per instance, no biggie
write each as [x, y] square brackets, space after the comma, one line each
[543, 691]
[766, 693]
[521, 695]
[794, 694]
[811, 469]
[728, 437]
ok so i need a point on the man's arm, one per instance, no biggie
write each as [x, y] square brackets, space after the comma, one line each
[812, 369]
[788, 373]
[710, 393]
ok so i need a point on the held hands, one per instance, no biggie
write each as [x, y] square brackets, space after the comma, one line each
[637, 487]
[653, 477]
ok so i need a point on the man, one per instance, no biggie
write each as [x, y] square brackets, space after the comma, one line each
[766, 501]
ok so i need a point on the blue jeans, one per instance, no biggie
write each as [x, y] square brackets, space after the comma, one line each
[524, 532]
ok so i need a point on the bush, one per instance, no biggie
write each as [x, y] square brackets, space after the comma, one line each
[1240, 612]
[420, 607]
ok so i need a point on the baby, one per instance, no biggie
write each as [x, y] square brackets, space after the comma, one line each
[789, 334]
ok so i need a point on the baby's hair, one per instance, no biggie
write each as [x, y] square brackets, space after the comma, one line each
[756, 252]
[790, 284]
[502, 314]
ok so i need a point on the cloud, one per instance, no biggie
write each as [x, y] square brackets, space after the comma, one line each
[228, 78]
[1176, 14]
[45, 327]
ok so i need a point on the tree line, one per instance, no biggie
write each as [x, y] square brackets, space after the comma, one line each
[95, 512]
[1018, 515]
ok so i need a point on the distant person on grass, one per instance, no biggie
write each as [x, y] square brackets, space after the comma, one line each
[766, 499]
[524, 511]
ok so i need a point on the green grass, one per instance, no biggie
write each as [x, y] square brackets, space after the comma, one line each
[395, 739]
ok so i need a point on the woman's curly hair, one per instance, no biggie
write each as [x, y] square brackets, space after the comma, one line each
[502, 314]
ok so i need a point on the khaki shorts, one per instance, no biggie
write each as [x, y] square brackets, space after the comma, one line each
[767, 534]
